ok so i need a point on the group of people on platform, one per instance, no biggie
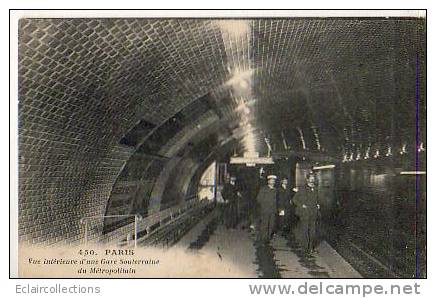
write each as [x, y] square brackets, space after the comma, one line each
[276, 209]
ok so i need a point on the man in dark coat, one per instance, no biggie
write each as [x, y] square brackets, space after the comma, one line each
[266, 210]
[230, 196]
[307, 210]
[284, 196]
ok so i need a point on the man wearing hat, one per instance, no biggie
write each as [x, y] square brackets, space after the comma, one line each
[307, 210]
[266, 201]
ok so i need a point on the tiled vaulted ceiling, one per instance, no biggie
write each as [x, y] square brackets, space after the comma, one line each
[337, 76]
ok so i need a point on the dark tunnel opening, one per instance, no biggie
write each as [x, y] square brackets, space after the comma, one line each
[117, 131]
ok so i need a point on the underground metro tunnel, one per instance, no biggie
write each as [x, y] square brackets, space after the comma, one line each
[130, 129]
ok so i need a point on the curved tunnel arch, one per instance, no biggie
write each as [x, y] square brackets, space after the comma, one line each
[170, 156]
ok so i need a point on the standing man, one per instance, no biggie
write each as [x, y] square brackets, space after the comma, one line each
[307, 210]
[284, 196]
[266, 210]
[230, 197]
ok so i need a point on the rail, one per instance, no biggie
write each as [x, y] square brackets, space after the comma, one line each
[143, 225]
[84, 221]
[169, 221]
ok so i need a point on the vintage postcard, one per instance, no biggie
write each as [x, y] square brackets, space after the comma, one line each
[225, 144]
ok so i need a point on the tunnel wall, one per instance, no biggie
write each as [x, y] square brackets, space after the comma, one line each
[176, 188]
[53, 184]
[161, 183]
[82, 85]
[139, 189]
[379, 210]
[132, 191]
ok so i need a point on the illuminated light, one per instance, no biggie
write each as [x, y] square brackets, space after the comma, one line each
[243, 84]
[251, 160]
[249, 140]
[251, 154]
[358, 156]
[389, 153]
[366, 155]
[235, 28]
[241, 79]
[367, 152]
[345, 158]
[236, 36]
[303, 143]
[351, 157]
[315, 133]
[324, 167]
[244, 122]
[377, 153]
[421, 147]
[413, 173]
[242, 107]
[403, 149]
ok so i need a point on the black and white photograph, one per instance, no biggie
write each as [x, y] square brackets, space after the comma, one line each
[257, 145]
